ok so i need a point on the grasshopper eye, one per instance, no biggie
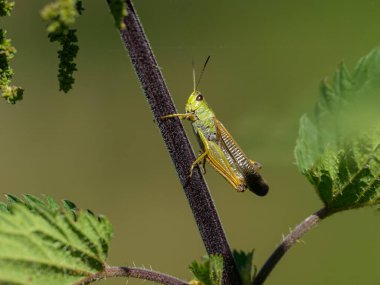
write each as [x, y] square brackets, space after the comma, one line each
[199, 97]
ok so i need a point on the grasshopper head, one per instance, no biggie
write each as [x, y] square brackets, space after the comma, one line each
[195, 102]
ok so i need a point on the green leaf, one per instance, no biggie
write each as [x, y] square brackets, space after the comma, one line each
[338, 145]
[209, 271]
[244, 264]
[216, 269]
[3, 208]
[118, 11]
[41, 244]
[201, 271]
[69, 205]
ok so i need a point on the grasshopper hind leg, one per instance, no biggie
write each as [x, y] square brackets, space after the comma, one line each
[200, 158]
[241, 187]
[202, 164]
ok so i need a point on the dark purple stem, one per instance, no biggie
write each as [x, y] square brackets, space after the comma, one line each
[140, 273]
[309, 223]
[178, 145]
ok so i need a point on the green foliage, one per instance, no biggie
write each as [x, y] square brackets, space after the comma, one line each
[244, 264]
[43, 244]
[10, 93]
[338, 146]
[61, 15]
[209, 271]
[118, 11]
[6, 7]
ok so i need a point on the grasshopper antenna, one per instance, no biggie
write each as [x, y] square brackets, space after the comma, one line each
[195, 85]
[203, 69]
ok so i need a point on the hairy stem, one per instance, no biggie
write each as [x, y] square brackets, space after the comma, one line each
[140, 273]
[309, 223]
[178, 145]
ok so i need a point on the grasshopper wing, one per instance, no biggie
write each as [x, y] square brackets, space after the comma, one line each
[216, 157]
[220, 162]
[236, 157]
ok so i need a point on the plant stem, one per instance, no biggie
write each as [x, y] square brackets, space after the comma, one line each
[309, 223]
[178, 145]
[140, 273]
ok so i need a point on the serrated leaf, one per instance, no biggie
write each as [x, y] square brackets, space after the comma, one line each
[31, 200]
[13, 199]
[201, 271]
[216, 269]
[338, 145]
[209, 271]
[52, 204]
[4, 208]
[69, 205]
[243, 262]
[41, 244]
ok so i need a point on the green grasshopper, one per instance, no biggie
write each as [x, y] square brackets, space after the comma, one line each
[218, 146]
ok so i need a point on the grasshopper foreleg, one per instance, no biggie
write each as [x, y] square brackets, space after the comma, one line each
[187, 116]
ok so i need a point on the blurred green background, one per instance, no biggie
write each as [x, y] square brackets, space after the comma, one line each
[98, 146]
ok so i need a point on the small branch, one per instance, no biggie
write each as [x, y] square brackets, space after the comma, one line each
[140, 273]
[177, 143]
[309, 223]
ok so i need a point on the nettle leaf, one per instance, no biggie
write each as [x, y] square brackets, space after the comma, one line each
[119, 11]
[338, 145]
[42, 243]
[209, 271]
[244, 264]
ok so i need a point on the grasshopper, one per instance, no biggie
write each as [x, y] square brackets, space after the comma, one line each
[218, 146]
